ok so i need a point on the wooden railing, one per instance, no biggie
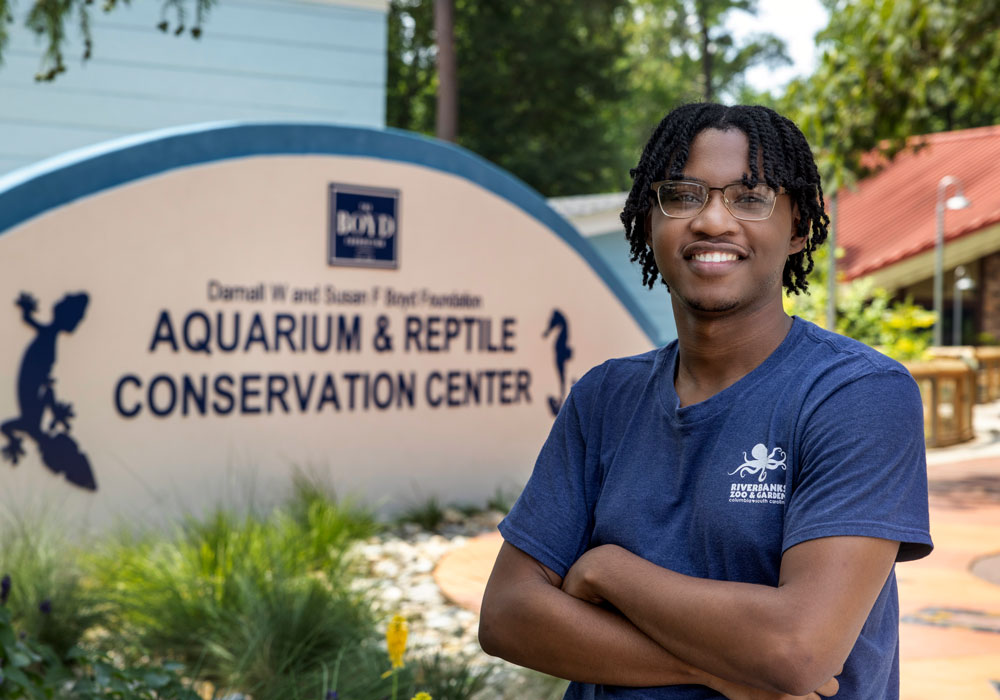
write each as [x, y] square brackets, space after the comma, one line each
[989, 370]
[948, 390]
[985, 360]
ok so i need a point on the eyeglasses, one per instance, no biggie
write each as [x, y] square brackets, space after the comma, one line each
[682, 199]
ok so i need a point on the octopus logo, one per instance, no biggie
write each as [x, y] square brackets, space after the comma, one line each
[761, 463]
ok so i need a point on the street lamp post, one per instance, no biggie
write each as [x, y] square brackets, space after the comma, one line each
[958, 201]
[831, 282]
[962, 284]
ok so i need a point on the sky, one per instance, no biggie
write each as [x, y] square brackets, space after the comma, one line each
[794, 21]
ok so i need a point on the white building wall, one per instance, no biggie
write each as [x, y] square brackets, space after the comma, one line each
[258, 60]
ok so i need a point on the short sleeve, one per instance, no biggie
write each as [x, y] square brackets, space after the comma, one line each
[552, 519]
[862, 466]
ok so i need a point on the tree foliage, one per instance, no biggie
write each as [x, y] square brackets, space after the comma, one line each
[538, 85]
[891, 69]
[53, 20]
[690, 39]
[563, 93]
[681, 51]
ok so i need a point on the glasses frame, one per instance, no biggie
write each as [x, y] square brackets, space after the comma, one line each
[655, 187]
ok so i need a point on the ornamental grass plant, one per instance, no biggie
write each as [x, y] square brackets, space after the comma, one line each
[262, 605]
[48, 599]
[252, 601]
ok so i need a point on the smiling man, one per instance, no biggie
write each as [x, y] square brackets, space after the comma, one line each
[721, 517]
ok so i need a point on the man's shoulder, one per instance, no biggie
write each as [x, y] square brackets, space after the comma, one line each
[826, 364]
[829, 350]
[618, 370]
[620, 377]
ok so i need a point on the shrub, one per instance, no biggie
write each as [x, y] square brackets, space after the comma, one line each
[249, 601]
[428, 515]
[43, 567]
[31, 669]
[451, 678]
[900, 329]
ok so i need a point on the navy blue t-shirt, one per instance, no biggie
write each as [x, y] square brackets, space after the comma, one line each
[824, 438]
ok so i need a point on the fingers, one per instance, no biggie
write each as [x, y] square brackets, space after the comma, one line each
[829, 688]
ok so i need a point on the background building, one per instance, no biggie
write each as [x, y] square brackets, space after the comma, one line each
[276, 60]
[888, 227]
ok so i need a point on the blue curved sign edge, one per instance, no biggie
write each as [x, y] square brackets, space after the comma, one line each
[33, 190]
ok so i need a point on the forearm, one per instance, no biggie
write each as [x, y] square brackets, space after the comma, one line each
[531, 622]
[734, 630]
[28, 316]
[788, 638]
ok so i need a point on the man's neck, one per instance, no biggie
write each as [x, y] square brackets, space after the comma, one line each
[714, 353]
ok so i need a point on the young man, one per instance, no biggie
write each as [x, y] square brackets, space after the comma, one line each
[721, 517]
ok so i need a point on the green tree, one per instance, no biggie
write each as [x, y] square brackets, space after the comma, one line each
[681, 51]
[891, 69]
[52, 20]
[565, 93]
[537, 85]
[691, 37]
[411, 81]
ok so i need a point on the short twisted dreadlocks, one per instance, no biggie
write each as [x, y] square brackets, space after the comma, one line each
[774, 141]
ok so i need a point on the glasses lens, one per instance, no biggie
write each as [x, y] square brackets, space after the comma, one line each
[750, 202]
[681, 199]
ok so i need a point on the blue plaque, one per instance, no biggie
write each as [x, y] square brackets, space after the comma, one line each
[363, 226]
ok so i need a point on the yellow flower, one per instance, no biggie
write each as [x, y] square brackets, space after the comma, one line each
[395, 639]
[422, 696]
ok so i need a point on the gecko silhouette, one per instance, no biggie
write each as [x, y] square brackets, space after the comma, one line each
[35, 395]
[562, 354]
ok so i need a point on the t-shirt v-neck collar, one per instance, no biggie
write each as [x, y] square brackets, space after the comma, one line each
[713, 405]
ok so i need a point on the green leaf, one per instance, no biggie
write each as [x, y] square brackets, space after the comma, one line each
[20, 659]
[17, 676]
[156, 679]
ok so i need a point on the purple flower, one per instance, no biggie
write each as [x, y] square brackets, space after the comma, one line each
[332, 695]
[4, 589]
[45, 607]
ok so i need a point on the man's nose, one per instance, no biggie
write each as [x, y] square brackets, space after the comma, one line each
[715, 219]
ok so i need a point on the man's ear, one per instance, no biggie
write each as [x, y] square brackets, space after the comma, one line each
[798, 240]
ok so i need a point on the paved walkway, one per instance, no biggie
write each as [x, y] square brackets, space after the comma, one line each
[949, 601]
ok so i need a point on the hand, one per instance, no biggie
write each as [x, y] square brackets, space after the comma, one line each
[738, 691]
[27, 303]
[580, 579]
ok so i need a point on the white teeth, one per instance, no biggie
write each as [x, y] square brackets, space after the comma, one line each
[715, 257]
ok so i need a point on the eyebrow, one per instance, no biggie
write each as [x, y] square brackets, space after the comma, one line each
[687, 178]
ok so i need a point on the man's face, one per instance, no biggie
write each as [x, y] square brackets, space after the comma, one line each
[714, 262]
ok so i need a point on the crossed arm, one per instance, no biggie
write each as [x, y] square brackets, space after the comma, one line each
[674, 629]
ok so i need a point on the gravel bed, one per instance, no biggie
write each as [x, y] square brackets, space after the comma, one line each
[399, 565]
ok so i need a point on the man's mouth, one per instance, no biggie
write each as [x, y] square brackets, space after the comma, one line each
[715, 257]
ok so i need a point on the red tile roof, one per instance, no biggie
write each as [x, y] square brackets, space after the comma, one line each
[892, 215]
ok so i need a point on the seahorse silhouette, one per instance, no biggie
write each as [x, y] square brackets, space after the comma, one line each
[60, 453]
[562, 354]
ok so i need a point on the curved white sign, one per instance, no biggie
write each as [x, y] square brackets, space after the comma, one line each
[205, 310]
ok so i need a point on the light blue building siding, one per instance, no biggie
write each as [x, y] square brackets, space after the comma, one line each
[258, 60]
[655, 302]
[598, 218]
